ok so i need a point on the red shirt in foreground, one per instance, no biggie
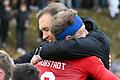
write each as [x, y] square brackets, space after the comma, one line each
[77, 69]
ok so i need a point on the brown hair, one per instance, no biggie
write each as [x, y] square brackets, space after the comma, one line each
[26, 71]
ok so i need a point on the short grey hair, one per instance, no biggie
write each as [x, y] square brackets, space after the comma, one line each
[52, 8]
[61, 16]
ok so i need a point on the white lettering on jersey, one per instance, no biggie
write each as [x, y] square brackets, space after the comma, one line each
[53, 64]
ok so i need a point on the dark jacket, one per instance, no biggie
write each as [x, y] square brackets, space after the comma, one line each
[95, 44]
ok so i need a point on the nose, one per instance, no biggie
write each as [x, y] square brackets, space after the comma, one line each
[44, 36]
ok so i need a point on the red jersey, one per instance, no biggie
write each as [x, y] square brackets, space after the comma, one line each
[77, 69]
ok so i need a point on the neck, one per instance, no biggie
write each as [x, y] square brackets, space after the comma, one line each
[82, 32]
[82, 35]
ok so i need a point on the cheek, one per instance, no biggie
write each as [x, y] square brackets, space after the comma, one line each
[51, 34]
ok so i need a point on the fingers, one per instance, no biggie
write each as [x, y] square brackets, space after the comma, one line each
[35, 59]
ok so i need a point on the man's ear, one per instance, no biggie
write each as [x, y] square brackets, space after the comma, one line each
[2, 74]
[68, 37]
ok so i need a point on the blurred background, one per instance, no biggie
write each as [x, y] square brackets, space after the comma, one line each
[19, 31]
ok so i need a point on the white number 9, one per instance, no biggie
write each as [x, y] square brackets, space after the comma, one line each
[47, 75]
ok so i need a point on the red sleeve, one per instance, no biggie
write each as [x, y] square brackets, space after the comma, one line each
[96, 70]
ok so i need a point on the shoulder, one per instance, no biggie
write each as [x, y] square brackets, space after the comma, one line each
[92, 60]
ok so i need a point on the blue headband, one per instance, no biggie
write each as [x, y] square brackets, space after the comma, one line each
[71, 29]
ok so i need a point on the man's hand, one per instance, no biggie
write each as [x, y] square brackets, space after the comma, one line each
[35, 59]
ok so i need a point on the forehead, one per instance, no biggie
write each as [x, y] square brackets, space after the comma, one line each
[45, 20]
